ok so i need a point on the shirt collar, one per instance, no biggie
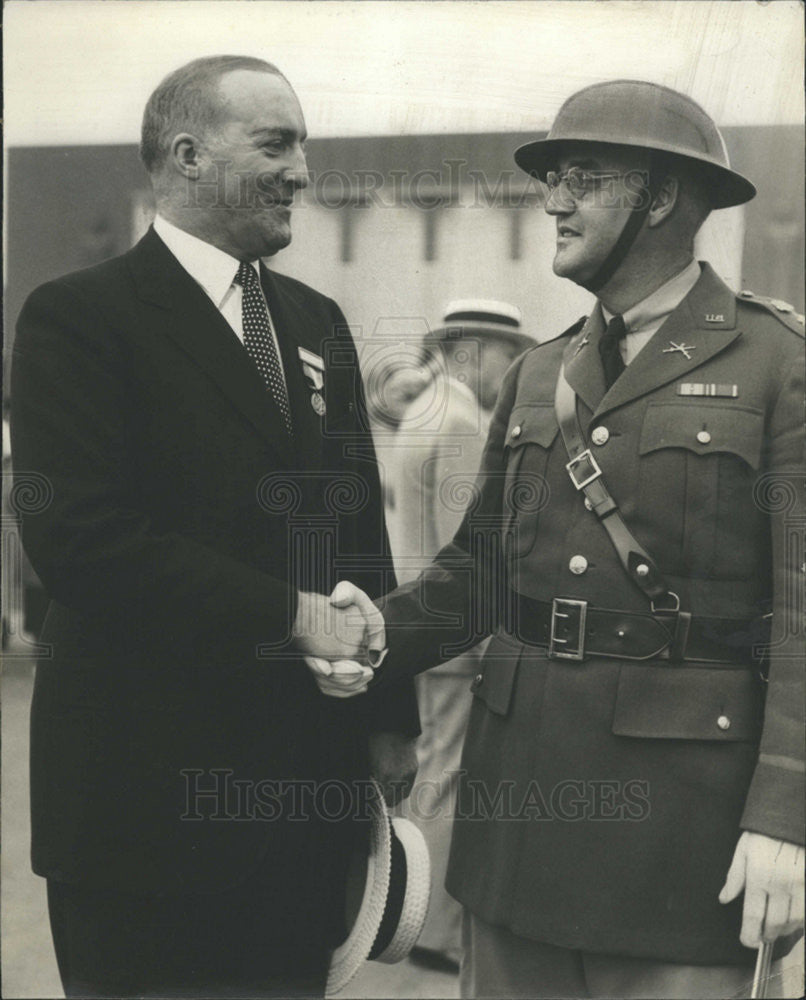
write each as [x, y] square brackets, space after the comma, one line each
[212, 268]
[661, 302]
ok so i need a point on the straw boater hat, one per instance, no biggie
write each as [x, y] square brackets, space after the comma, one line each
[483, 318]
[394, 904]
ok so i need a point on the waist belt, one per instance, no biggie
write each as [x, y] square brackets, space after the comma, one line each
[573, 630]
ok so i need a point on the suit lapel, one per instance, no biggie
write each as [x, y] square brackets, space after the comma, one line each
[193, 322]
[704, 324]
[295, 328]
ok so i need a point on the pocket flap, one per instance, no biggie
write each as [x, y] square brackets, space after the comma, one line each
[688, 703]
[496, 679]
[704, 428]
[532, 423]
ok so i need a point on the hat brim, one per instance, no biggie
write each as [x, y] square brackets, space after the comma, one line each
[470, 328]
[727, 187]
[350, 956]
[417, 893]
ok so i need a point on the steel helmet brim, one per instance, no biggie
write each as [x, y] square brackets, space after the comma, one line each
[637, 114]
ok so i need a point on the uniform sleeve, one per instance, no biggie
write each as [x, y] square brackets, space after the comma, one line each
[437, 616]
[775, 802]
[94, 551]
[392, 708]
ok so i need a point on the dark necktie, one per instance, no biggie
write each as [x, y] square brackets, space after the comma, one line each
[258, 339]
[610, 350]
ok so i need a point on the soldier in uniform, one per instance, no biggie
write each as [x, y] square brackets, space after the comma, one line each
[630, 817]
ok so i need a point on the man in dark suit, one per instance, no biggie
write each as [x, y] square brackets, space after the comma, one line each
[632, 766]
[199, 424]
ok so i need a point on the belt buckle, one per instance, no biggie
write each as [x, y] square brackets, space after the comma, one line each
[574, 614]
[583, 456]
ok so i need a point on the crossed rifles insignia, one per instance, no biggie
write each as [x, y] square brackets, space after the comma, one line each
[682, 348]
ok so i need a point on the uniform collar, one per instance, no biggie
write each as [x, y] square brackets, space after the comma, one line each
[212, 268]
[652, 310]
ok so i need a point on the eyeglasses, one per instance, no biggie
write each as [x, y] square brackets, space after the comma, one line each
[579, 182]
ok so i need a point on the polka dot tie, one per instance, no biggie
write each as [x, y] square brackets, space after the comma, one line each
[258, 339]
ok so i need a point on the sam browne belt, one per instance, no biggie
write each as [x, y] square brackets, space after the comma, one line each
[571, 629]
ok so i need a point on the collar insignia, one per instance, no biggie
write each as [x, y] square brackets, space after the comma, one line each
[682, 348]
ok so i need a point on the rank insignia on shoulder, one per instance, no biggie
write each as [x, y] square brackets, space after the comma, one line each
[783, 310]
[708, 389]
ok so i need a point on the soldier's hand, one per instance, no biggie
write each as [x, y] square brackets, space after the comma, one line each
[770, 872]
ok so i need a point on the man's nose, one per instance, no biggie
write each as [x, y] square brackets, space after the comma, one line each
[297, 173]
[559, 201]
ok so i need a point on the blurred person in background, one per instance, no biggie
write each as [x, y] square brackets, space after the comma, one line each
[434, 460]
[180, 403]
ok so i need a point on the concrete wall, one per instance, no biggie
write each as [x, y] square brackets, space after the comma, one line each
[395, 227]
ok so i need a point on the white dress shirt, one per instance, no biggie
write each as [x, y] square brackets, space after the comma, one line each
[645, 318]
[214, 271]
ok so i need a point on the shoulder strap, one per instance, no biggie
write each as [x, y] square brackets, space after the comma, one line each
[587, 477]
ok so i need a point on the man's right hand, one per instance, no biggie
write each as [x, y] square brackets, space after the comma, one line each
[344, 626]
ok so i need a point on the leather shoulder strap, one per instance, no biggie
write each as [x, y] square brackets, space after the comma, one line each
[587, 477]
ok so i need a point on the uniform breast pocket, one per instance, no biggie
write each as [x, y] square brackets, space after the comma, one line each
[698, 467]
[531, 432]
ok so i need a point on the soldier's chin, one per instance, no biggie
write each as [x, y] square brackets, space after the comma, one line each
[567, 266]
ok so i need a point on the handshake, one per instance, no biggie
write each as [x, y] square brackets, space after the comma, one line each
[342, 638]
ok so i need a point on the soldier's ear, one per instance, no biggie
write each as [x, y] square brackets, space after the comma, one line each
[665, 201]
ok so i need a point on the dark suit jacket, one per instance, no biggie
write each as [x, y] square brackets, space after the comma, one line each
[177, 523]
[603, 800]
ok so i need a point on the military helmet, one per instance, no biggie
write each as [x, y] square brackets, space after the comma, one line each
[647, 116]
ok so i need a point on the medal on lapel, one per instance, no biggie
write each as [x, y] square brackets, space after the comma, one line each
[313, 368]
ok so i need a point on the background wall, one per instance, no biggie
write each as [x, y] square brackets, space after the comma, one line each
[394, 227]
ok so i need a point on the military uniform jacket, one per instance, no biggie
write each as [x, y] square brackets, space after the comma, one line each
[603, 799]
[172, 521]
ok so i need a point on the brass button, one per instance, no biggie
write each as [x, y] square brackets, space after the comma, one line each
[478, 679]
[723, 722]
[703, 437]
[588, 504]
[642, 570]
[578, 565]
[600, 435]
[516, 431]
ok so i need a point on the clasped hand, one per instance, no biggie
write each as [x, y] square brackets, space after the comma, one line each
[342, 637]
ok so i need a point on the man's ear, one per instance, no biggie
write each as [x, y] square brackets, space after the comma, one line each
[665, 201]
[185, 155]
